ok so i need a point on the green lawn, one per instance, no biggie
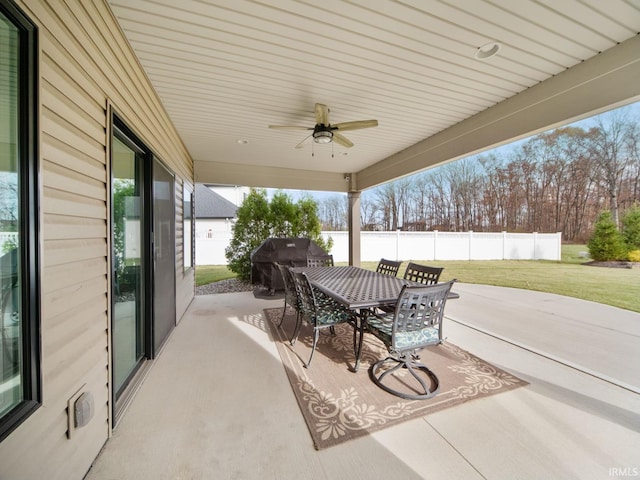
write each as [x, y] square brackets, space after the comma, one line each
[212, 273]
[619, 287]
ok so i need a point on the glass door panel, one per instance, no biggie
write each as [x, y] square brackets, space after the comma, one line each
[128, 326]
[164, 254]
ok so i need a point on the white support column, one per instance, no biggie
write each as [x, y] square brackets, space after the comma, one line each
[354, 228]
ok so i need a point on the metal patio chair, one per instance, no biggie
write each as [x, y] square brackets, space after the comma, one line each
[415, 323]
[290, 294]
[319, 311]
[319, 260]
[388, 267]
[422, 273]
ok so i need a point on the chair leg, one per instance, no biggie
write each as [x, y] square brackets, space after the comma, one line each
[296, 330]
[284, 311]
[316, 334]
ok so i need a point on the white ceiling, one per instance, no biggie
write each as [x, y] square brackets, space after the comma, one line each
[226, 69]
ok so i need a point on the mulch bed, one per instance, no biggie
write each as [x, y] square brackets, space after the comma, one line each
[618, 264]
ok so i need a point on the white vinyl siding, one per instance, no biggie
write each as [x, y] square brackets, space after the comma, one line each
[85, 64]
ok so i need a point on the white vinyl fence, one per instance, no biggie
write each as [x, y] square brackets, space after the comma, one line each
[417, 246]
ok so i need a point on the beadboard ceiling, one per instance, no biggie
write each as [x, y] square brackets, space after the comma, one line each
[226, 69]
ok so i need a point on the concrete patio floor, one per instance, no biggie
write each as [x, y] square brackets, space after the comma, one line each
[217, 403]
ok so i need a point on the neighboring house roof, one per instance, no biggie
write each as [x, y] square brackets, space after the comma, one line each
[209, 204]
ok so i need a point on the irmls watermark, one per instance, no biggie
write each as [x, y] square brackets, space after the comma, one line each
[624, 472]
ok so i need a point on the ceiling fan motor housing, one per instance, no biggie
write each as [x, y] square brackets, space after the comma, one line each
[322, 134]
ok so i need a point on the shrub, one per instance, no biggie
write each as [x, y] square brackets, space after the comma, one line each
[258, 220]
[631, 228]
[251, 228]
[606, 242]
[634, 256]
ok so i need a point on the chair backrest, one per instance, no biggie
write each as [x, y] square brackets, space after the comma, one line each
[290, 292]
[422, 273]
[319, 260]
[417, 320]
[388, 267]
[305, 295]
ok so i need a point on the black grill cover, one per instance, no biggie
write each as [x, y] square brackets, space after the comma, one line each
[288, 251]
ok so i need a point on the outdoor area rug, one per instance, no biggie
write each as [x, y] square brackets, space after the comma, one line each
[339, 405]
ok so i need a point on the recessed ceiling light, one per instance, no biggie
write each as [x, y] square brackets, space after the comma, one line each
[488, 50]
[242, 141]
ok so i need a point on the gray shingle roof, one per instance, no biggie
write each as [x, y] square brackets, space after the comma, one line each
[208, 204]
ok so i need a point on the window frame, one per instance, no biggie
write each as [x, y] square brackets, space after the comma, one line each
[29, 261]
[187, 243]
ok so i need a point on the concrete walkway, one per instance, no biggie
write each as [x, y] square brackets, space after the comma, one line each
[595, 338]
[217, 403]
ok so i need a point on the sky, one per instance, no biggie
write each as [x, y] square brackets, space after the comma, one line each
[585, 123]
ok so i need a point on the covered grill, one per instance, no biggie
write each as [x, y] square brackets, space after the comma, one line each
[287, 251]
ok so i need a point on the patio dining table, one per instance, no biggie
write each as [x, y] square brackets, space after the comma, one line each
[357, 289]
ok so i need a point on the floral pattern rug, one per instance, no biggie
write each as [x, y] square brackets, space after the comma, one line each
[340, 405]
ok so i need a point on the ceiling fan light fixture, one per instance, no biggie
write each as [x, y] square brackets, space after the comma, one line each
[322, 136]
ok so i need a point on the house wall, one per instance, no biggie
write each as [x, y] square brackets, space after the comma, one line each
[85, 68]
[212, 238]
[234, 193]
[208, 226]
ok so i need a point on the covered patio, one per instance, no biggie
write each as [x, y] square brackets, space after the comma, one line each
[185, 92]
[217, 402]
[441, 80]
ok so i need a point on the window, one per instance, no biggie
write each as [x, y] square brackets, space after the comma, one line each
[19, 300]
[187, 226]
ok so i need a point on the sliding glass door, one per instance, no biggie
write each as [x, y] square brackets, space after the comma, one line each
[143, 306]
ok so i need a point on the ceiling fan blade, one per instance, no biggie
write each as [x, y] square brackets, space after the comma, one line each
[322, 114]
[301, 144]
[342, 140]
[289, 127]
[355, 125]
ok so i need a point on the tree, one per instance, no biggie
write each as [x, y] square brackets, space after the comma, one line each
[465, 186]
[631, 228]
[368, 212]
[306, 222]
[610, 144]
[122, 190]
[333, 212]
[606, 243]
[252, 227]
[258, 220]
[282, 215]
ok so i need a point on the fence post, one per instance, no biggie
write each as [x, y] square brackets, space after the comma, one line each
[435, 244]
[504, 245]
[397, 243]
[470, 241]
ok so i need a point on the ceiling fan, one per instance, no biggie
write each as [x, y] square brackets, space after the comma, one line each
[324, 132]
